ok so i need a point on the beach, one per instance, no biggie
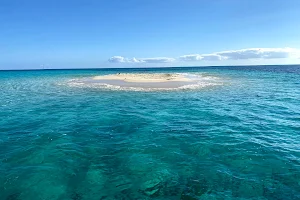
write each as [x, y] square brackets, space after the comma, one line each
[154, 81]
[148, 81]
[145, 77]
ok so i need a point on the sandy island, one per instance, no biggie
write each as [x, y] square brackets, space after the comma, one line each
[145, 77]
[147, 81]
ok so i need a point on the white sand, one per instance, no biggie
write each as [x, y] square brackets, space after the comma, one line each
[147, 81]
[144, 77]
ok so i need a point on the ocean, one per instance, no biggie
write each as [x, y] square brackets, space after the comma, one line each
[234, 136]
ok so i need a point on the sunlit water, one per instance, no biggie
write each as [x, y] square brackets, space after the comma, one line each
[238, 139]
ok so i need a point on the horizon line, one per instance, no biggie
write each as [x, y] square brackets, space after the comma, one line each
[49, 69]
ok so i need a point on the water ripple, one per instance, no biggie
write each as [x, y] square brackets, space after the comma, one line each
[238, 140]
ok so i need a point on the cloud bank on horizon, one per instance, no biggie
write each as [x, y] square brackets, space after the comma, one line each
[242, 54]
[120, 59]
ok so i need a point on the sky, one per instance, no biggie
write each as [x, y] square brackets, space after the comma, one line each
[52, 34]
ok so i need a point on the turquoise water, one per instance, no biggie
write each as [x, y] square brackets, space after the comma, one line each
[235, 140]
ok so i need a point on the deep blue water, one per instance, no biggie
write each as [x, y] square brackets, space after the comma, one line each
[237, 140]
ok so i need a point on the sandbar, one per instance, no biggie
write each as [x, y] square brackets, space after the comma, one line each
[147, 81]
[145, 77]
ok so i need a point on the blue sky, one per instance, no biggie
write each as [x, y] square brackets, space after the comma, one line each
[147, 33]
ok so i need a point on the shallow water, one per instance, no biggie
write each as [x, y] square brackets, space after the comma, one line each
[235, 140]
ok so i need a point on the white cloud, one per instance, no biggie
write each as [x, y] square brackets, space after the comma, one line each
[192, 57]
[196, 57]
[245, 54]
[120, 59]
[117, 59]
[158, 60]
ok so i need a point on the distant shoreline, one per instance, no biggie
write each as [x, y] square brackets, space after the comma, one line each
[145, 68]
